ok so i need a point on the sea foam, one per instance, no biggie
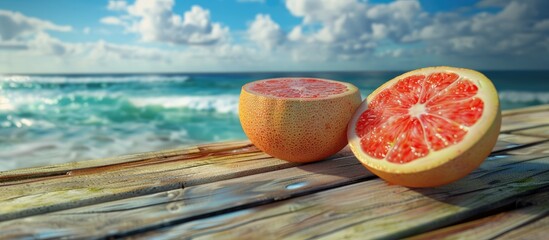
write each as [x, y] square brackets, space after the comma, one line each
[214, 103]
[92, 79]
[524, 97]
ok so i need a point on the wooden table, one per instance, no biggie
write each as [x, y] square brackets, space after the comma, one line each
[231, 190]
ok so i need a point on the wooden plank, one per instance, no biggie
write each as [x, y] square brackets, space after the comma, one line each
[534, 231]
[524, 121]
[125, 161]
[151, 211]
[525, 110]
[531, 209]
[373, 208]
[542, 131]
[510, 141]
[541, 148]
[94, 185]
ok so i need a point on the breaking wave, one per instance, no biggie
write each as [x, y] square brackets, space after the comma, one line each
[523, 98]
[217, 103]
[84, 79]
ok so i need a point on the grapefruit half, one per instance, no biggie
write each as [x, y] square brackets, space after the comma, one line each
[427, 127]
[298, 119]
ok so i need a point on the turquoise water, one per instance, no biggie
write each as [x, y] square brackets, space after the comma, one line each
[47, 119]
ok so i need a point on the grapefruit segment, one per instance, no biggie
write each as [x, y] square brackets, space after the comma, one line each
[298, 119]
[427, 127]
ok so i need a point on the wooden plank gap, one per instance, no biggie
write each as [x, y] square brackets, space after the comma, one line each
[517, 147]
[514, 131]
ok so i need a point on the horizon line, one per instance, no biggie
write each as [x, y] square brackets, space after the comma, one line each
[247, 72]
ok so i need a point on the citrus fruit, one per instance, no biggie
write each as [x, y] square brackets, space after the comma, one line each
[298, 119]
[427, 127]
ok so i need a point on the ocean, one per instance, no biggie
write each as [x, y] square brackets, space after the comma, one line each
[47, 119]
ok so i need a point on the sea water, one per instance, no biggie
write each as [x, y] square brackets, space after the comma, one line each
[47, 119]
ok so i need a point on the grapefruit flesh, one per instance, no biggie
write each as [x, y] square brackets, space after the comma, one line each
[427, 127]
[298, 119]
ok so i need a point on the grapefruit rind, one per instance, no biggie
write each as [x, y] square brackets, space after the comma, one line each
[484, 127]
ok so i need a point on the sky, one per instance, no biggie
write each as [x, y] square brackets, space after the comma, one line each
[127, 36]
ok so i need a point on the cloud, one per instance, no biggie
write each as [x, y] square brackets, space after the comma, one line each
[110, 20]
[117, 5]
[492, 3]
[519, 28]
[265, 32]
[337, 29]
[14, 25]
[350, 29]
[155, 21]
[37, 51]
[330, 35]
[12, 46]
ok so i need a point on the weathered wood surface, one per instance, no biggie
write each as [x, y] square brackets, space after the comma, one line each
[531, 210]
[375, 209]
[185, 204]
[83, 186]
[232, 190]
[525, 119]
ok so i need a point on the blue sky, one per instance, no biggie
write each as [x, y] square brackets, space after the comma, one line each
[77, 36]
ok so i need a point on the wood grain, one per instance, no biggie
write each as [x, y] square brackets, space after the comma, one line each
[510, 141]
[87, 186]
[373, 209]
[525, 110]
[524, 121]
[542, 131]
[126, 161]
[531, 209]
[152, 211]
[534, 231]
[541, 148]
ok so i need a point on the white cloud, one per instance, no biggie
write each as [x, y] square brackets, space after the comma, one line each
[28, 46]
[117, 5]
[332, 33]
[542, 25]
[155, 21]
[350, 29]
[337, 28]
[265, 32]
[86, 30]
[323, 10]
[12, 46]
[517, 29]
[110, 20]
[14, 25]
